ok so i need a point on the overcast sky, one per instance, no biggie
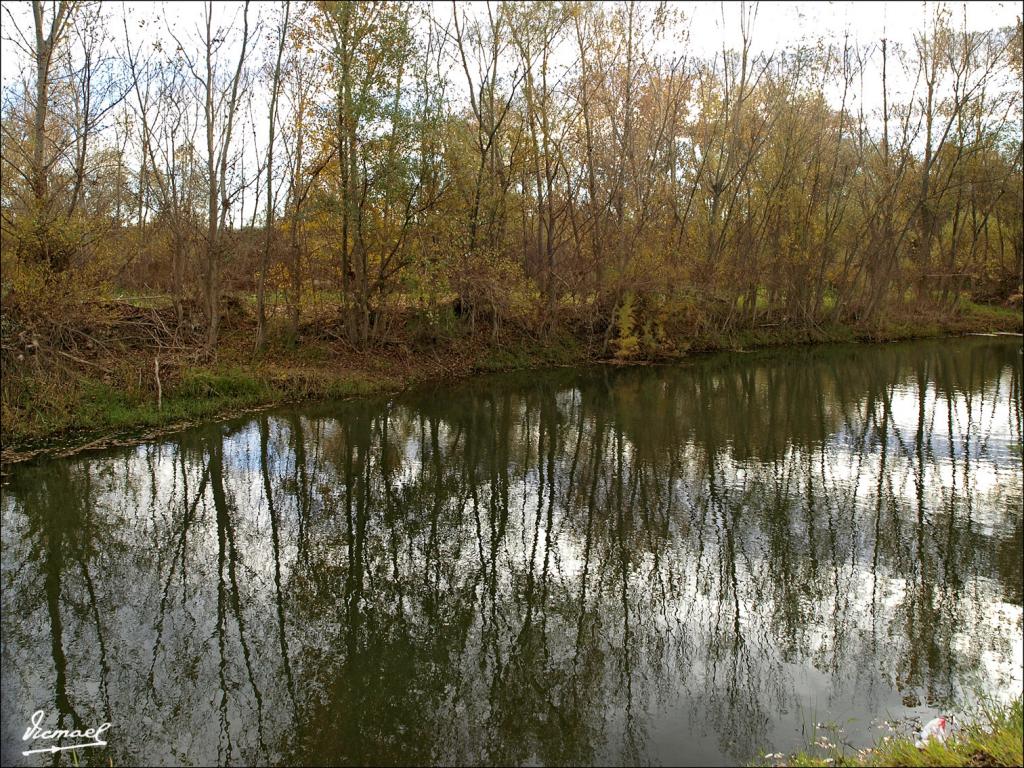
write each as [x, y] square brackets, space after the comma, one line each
[778, 24]
[782, 24]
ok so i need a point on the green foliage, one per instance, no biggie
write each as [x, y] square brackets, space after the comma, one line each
[48, 241]
[640, 328]
[627, 340]
[995, 738]
[436, 324]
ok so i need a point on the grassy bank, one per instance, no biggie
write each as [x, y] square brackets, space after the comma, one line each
[67, 404]
[111, 399]
[994, 738]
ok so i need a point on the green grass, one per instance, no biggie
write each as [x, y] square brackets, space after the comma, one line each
[995, 738]
[991, 312]
[561, 349]
[78, 410]
[96, 406]
[42, 411]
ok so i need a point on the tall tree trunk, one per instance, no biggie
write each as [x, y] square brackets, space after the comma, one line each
[261, 312]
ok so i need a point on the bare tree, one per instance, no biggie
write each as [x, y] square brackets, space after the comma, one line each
[275, 87]
[220, 106]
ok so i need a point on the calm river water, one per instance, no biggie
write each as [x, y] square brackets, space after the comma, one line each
[678, 564]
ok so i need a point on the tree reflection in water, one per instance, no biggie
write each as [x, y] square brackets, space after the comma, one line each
[678, 564]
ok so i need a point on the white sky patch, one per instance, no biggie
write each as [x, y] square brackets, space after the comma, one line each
[710, 26]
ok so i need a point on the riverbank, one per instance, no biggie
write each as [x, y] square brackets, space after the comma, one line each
[995, 739]
[122, 397]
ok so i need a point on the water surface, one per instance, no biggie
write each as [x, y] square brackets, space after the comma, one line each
[680, 564]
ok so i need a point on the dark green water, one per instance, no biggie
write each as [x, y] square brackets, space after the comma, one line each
[670, 565]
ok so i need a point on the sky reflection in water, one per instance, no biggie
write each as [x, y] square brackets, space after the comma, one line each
[675, 564]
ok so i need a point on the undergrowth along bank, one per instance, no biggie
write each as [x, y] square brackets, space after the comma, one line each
[113, 399]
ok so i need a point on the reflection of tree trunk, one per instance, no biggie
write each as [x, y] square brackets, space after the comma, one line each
[922, 593]
[594, 468]
[952, 576]
[95, 614]
[498, 507]
[632, 751]
[438, 503]
[53, 568]
[352, 683]
[90, 590]
[357, 468]
[530, 574]
[595, 473]
[226, 545]
[179, 554]
[303, 492]
[268, 493]
[883, 436]
[221, 632]
[552, 487]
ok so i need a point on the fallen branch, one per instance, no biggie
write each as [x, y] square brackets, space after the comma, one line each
[78, 359]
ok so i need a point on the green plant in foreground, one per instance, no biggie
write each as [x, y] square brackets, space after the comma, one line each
[995, 738]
